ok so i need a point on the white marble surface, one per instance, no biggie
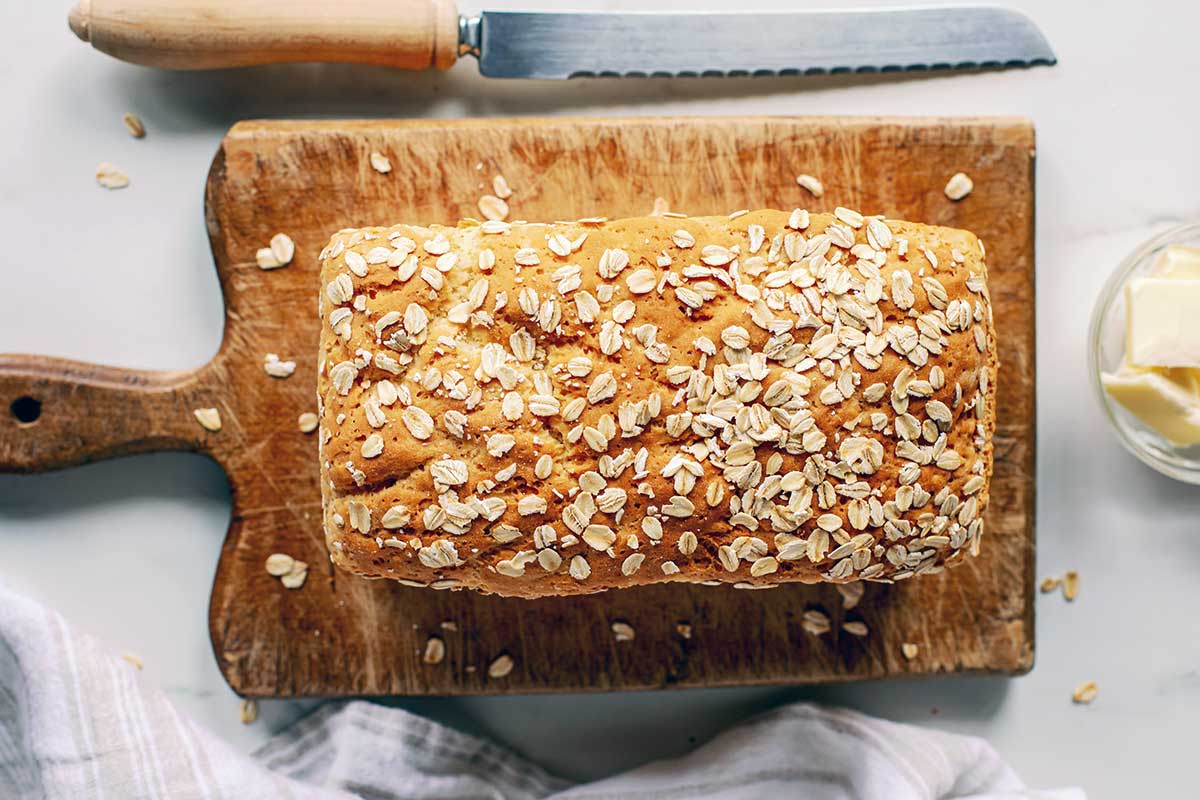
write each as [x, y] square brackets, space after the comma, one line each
[127, 549]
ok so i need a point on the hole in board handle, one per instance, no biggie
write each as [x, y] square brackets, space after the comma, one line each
[27, 410]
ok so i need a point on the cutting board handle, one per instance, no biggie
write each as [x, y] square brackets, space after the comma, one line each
[211, 34]
[56, 413]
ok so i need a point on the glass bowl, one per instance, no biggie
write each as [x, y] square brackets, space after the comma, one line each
[1107, 350]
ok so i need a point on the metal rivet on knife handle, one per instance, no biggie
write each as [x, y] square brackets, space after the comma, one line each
[212, 34]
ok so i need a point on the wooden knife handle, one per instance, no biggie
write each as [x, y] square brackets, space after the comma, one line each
[209, 34]
[56, 413]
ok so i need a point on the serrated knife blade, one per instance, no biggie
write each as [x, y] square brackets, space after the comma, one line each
[552, 45]
[423, 34]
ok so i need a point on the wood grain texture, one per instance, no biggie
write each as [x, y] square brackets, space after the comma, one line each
[341, 635]
[211, 34]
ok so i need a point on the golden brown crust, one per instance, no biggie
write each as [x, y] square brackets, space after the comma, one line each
[785, 440]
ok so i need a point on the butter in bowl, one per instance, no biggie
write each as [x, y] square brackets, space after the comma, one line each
[1146, 353]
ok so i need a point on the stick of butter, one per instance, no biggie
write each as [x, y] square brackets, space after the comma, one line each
[1164, 322]
[1177, 262]
[1158, 401]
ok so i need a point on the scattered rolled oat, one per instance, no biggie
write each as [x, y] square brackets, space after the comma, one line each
[851, 593]
[296, 576]
[249, 710]
[111, 177]
[815, 622]
[276, 368]
[501, 666]
[132, 659]
[660, 207]
[435, 651]
[279, 564]
[909, 650]
[959, 186]
[380, 163]
[209, 418]
[1085, 692]
[500, 187]
[283, 248]
[1070, 584]
[493, 207]
[1050, 584]
[814, 186]
[308, 422]
[449, 625]
[684, 630]
[266, 259]
[623, 631]
[133, 124]
[279, 254]
[855, 628]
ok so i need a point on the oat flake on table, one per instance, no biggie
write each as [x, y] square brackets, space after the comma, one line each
[133, 124]
[279, 564]
[277, 368]
[111, 177]
[1085, 693]
[959, 186]
[435, 651]
[380, 163]
[811, 184]
[500, 187]
[209, 418]
[295, 577]
[500, 667]
[493, 208]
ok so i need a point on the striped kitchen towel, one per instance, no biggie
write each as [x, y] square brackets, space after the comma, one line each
[77, 722]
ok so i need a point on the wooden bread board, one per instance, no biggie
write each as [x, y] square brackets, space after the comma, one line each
[342, 635]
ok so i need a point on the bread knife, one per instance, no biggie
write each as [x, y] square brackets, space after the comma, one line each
[422, 34]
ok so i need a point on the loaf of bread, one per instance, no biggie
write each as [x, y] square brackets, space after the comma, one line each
[555, 409]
